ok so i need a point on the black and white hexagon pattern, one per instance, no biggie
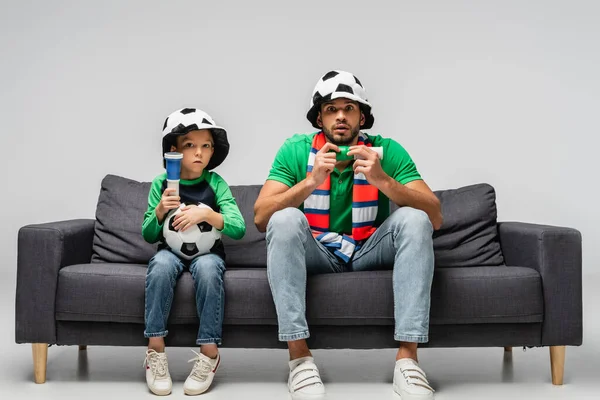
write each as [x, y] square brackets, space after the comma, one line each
[335, 84]
[187, 119]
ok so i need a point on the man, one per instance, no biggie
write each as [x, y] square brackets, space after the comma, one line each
[323, 216]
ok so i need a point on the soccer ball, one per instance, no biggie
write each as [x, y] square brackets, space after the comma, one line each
[192, 242]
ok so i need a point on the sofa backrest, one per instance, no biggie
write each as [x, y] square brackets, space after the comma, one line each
[468, 236]
[251, 250]
[119, 215]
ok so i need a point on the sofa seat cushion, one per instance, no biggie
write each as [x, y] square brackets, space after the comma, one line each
[486, 295]
[112, 292]
[115, 293]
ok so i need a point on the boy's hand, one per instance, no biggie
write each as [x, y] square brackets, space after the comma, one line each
[190, 216]
[168, 202]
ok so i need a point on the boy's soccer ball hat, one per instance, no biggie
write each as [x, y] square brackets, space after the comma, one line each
[180, 122]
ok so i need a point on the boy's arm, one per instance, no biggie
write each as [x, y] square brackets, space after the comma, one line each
[233, 222]
[152, 227]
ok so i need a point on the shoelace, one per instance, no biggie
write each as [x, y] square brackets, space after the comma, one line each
[201, 368]
[158, 365]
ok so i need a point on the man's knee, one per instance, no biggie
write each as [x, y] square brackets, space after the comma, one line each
[411, 221]
[287, 223]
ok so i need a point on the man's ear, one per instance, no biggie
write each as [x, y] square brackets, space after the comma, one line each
[319, 120]
[362, 119]
[173, 148]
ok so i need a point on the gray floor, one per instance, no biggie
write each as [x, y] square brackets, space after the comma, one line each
[102, 372]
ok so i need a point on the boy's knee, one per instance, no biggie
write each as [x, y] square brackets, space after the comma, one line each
[210, 269]
[163, 264]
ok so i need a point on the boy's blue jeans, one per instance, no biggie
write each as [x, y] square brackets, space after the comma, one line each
[403, 243]
[207, 271]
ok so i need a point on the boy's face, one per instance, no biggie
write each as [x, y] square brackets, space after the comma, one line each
[197, 148]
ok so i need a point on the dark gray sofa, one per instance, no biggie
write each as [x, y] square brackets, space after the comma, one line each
[81, 282]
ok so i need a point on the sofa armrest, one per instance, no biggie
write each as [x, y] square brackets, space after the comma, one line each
[42, 250]
[555, 252]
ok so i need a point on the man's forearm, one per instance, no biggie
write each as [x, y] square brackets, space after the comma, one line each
[404, 196]
[266, 207]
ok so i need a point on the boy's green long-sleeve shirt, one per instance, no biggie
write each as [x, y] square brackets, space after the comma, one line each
[209, 189]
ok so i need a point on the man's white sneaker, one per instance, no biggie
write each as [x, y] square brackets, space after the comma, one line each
[410, 382]
[202, 374]
[157, 373]
[304, 381]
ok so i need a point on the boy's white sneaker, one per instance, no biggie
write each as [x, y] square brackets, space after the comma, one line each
[304, 382]
[202, 374]
[410, 381]
[157, 373]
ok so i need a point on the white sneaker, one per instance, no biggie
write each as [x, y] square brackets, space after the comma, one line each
[304, 381]
[202, 374]
[410, 382]
[157, 373]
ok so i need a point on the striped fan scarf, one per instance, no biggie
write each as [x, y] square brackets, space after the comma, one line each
[364, 207]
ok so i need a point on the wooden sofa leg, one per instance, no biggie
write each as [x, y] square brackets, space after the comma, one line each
[82, 347]
[40, 359]
[557, 364]
[508, 349]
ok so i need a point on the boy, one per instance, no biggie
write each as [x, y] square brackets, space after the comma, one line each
[204, 146]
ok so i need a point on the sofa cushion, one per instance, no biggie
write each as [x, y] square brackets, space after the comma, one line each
[251, 250]
[119, 217]
[120, 213]
[115, 293]
[486, 295]
[469, 234]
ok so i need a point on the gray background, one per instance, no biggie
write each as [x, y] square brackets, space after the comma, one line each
[502, 92]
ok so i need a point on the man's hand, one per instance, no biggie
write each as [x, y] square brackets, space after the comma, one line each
[324, 164]
[168, 202]
[368, 163]
[190, 216]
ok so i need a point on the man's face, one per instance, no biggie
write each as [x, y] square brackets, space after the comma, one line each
[341, 120]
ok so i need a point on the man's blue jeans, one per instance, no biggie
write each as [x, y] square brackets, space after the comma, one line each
[402, 243]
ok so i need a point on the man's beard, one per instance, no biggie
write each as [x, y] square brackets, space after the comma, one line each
[343, 142]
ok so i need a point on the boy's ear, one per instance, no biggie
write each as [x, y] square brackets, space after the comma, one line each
[173, 148]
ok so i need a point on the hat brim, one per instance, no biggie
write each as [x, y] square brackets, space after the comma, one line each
[219, 138]
[365, 107]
